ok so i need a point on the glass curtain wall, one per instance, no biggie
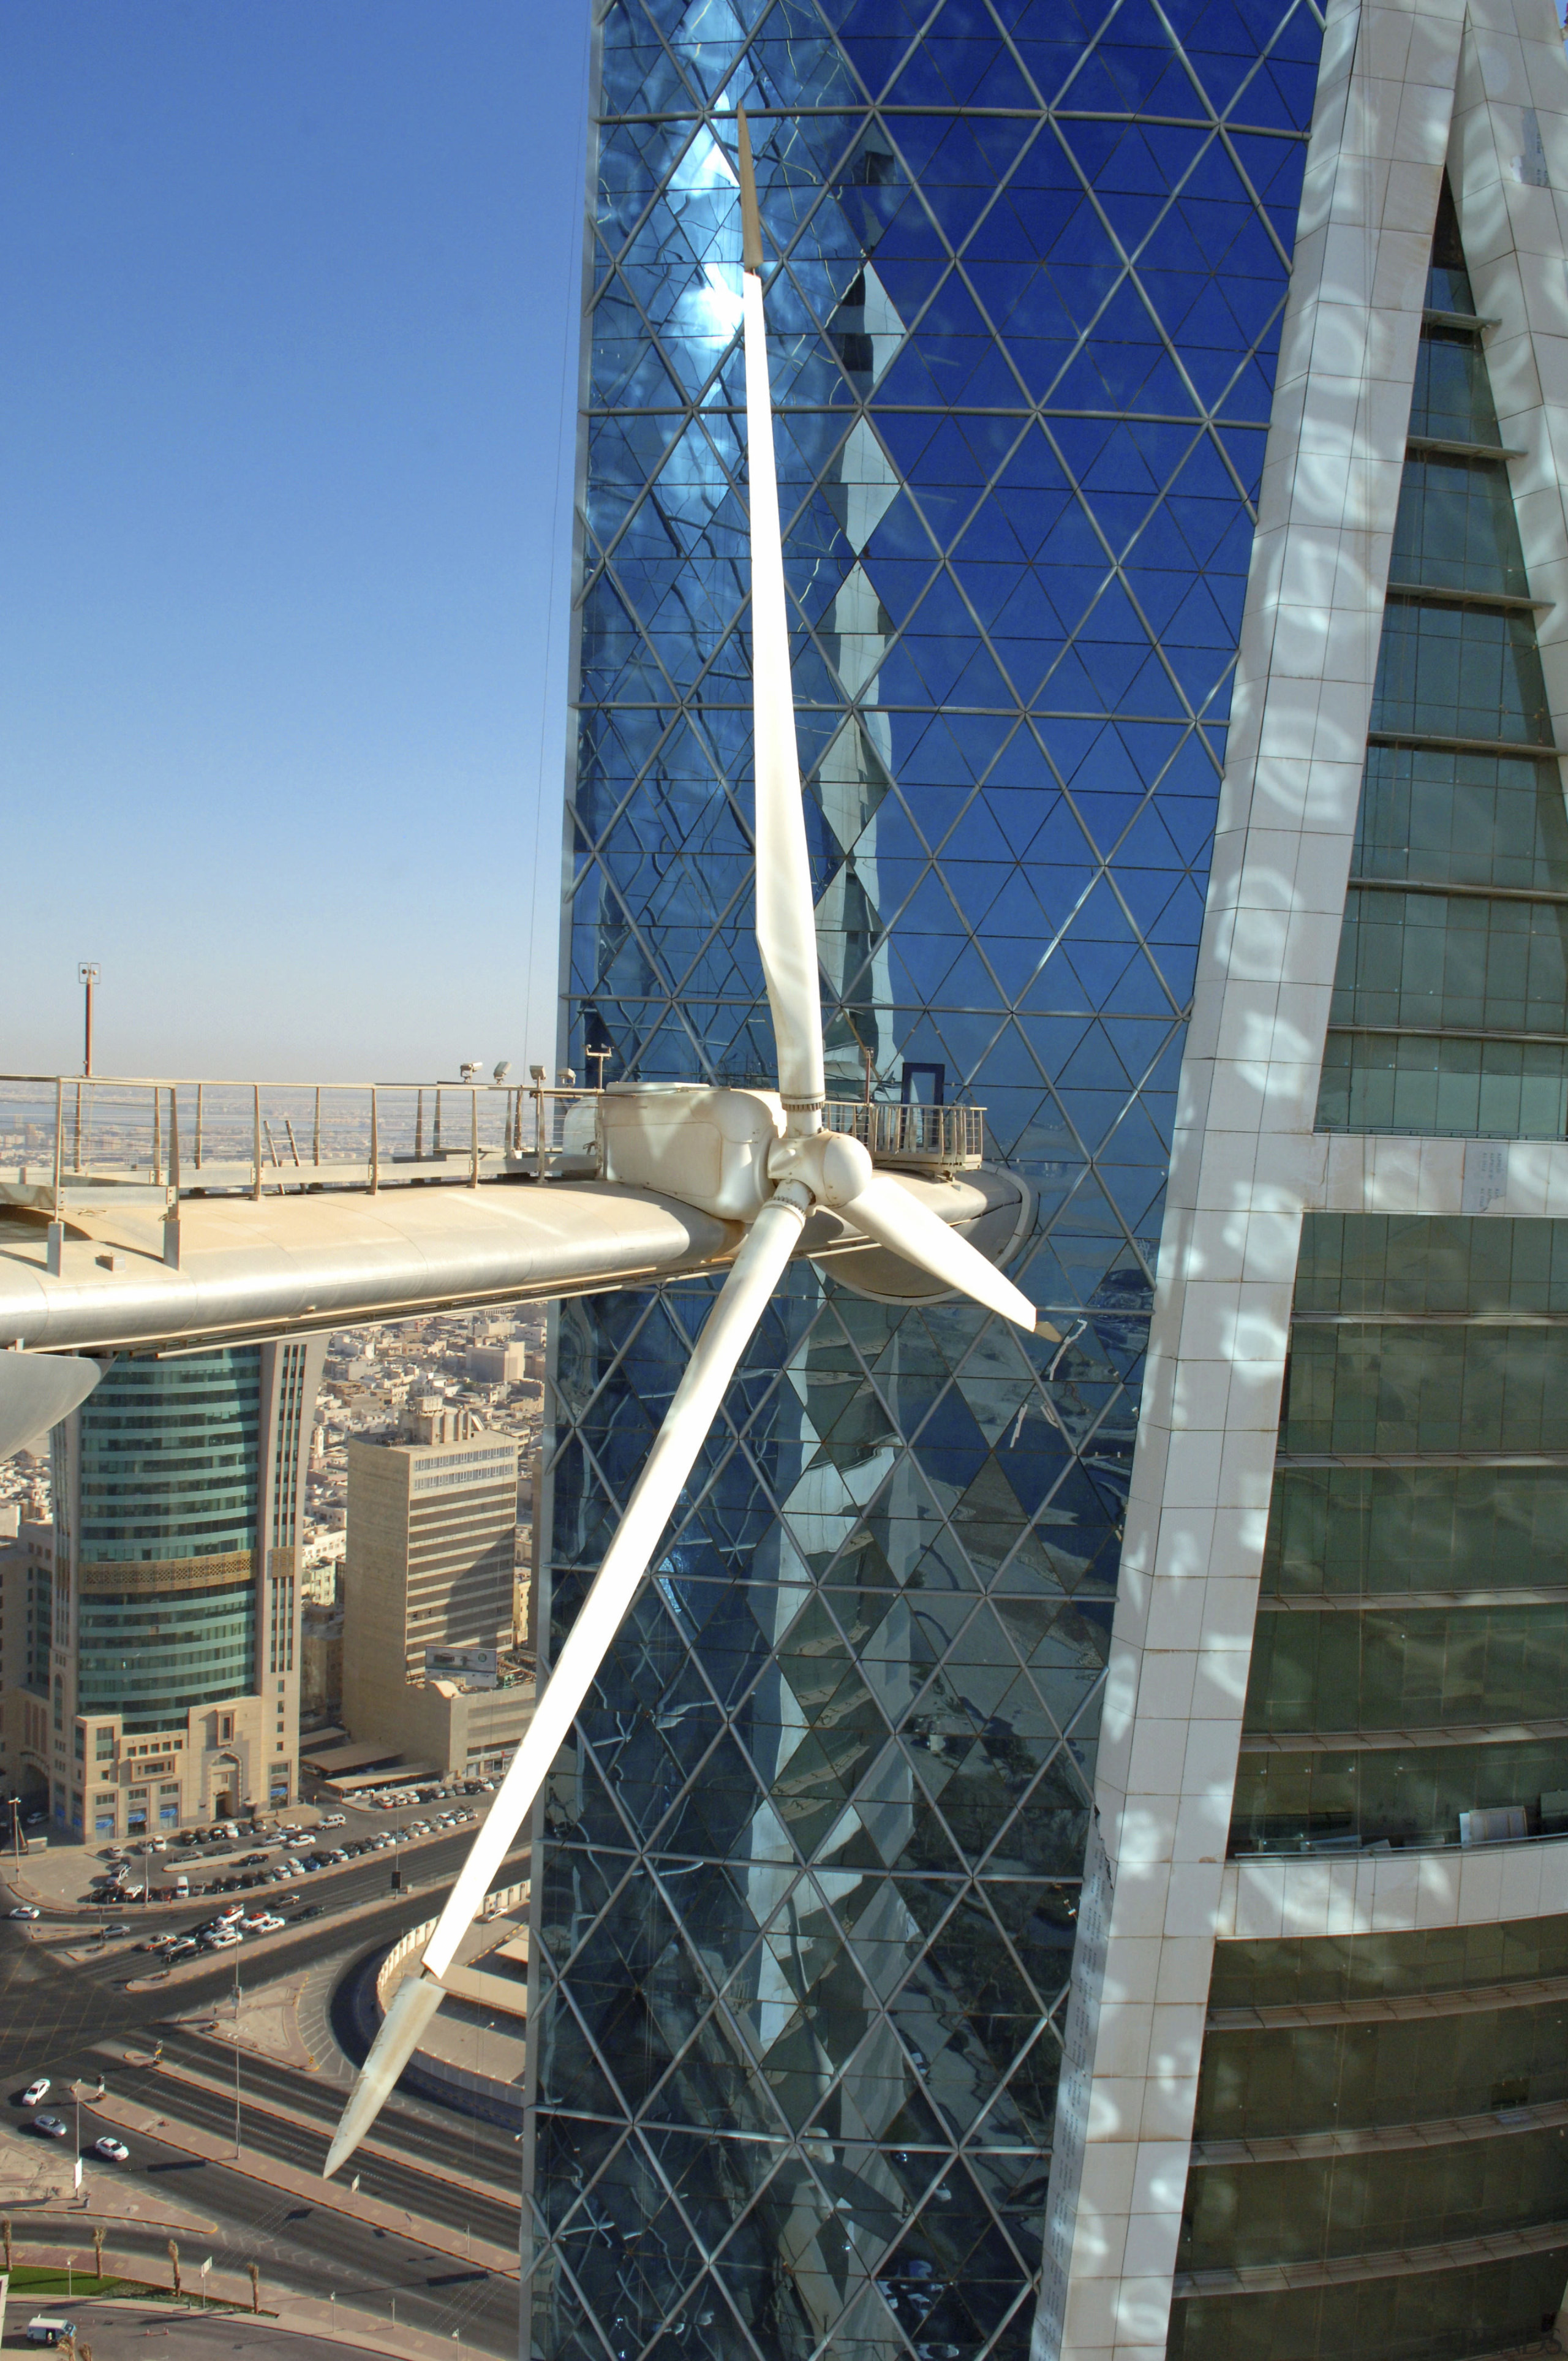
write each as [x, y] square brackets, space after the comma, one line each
[1410, 1666]
[1388, 2117]
[1450, 1011]
[166, 1547]
[807, 1879]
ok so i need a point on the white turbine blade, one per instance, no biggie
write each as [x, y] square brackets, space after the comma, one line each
[409, 2011]
[741, 1302]
[786, 917]
[891, 1215]
[37, 1390]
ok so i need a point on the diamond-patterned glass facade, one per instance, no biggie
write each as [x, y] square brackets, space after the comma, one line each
[808, 1879]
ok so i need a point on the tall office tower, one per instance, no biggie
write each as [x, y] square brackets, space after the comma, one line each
[428, 1576]
[1171, 475]
[169, 1689]
[26, 1604]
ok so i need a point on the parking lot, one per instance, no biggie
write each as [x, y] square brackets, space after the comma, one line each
[233, 1858]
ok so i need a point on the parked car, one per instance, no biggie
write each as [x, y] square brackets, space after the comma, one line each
[111, 2150]
[36, 2093]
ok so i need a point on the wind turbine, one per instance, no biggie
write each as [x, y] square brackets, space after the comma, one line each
[803, 1168]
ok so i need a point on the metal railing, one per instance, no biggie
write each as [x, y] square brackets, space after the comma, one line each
[70, 1143]
[936, 1139]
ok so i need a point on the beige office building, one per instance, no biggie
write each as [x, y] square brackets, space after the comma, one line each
[432, 1517]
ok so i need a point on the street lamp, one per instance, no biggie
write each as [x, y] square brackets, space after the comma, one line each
[237, 2058]
[88, 974]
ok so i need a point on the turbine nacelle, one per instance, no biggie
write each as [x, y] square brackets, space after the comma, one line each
[705, 1145]
[724, 1151]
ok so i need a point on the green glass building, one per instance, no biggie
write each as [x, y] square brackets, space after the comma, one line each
[172, 1682]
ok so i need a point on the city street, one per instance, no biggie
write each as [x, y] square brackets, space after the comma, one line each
[451, 2180]
[118, 2331]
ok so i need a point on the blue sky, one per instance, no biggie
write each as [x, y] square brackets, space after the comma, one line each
[289, 293]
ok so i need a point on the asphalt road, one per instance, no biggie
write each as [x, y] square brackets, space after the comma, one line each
[54, 2015]
[489, 2213]
[421, 2133]
[301, 2249]
[51, 2012]
[119, 2332]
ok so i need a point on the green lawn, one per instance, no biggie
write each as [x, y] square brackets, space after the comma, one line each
[31, 2281]
[42, 2278]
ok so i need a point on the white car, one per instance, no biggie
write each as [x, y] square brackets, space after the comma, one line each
[24, 1910]
[270, 1924]
[222, 1940]
[36, 2093]
[334, 1821]
[111, 2150]
[232, 1915]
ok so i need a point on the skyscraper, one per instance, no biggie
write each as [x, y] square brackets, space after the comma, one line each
[1170, 449]
[171, 1687]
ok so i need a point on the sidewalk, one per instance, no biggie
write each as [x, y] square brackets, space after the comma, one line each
[108, 2203]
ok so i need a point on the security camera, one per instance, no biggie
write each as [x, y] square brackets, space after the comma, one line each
[502, 1071]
